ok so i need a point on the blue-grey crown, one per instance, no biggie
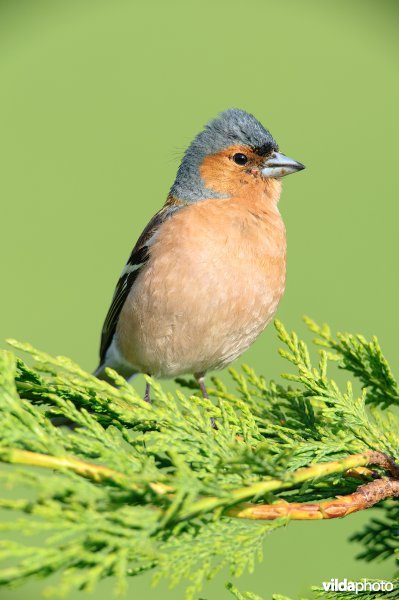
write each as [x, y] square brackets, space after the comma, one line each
[233, 126]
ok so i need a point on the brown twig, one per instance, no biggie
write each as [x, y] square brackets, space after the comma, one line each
[384, 461]
[365, 496]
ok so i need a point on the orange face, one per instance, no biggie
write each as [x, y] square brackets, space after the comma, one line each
[235, 171]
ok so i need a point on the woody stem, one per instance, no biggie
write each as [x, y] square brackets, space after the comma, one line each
[96, 473]
[365, 496]
[316, 471]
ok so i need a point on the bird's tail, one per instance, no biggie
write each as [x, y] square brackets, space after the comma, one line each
[126, 372]
[100, 372]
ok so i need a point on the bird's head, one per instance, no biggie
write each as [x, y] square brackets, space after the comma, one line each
[232, 152]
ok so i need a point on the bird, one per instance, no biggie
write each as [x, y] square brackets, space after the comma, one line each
[207, 273]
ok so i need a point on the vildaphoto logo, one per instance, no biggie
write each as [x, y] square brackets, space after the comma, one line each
[345, 585]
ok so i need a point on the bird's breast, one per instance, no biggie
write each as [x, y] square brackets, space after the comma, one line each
[213, 281]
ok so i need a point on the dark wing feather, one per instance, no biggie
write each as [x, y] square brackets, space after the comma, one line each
[138, 258]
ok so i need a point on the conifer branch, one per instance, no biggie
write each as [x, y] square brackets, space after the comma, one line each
[96, 473]
[258, 511]
[136, 487]
[365, 496]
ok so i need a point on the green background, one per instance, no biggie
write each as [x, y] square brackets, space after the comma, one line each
[98, 101]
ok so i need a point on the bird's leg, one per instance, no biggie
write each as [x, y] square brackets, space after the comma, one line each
[201, 382]
[200, 378]
[147, 395]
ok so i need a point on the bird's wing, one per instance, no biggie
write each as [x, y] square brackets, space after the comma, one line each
[135, 263]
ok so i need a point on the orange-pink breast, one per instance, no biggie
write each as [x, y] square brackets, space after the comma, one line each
[214, 279]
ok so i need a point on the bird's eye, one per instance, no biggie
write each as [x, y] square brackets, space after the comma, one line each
[240, 159]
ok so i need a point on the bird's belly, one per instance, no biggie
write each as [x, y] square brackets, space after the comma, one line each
[194, 316]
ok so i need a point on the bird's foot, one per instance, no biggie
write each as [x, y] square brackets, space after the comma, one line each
[147, 393]
[214, 424]
[201, 382]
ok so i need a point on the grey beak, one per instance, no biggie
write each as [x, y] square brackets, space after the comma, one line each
[279, 165]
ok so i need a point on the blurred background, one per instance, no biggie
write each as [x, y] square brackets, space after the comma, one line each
[98, 100]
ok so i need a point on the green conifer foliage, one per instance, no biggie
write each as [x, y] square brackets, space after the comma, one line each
[133, 487]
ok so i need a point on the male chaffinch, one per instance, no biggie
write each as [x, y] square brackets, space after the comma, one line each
[207, 273]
